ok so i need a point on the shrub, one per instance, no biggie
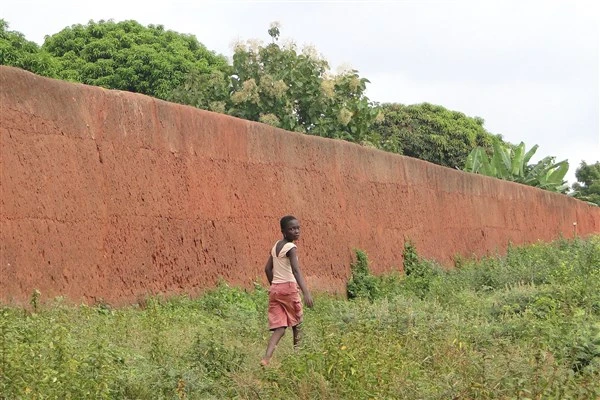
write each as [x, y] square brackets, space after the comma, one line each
[362, 283]
[419, 272]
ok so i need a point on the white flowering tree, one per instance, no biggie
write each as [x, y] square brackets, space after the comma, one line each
[278, 85]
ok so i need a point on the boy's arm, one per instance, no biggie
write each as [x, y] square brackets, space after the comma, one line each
[299, 278]
[269, 270]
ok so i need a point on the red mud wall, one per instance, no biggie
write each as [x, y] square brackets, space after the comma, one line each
[112, 195]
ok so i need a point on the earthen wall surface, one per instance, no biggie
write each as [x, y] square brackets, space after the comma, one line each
[109, 195]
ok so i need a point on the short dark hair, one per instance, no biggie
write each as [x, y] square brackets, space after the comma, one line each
[283, 222]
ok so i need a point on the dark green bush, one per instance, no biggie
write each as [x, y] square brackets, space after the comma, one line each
[420, 273]
[362, 284]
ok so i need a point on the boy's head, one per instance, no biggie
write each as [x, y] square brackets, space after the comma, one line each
[290, 227]
[284, 221]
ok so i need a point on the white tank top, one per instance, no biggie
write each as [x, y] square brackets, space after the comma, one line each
[282, 268]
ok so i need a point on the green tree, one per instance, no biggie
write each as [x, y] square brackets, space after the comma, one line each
[16, 51]
[431, 133]
[281, 86]
[511, 163]
[587, 187]
[128, 56]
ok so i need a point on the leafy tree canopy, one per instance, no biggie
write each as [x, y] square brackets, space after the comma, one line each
[587, 187]
[128, 56]
[281, 86]
[16, 51]
[432, 133]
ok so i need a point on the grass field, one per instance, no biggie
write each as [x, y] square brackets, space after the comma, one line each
[526, 325]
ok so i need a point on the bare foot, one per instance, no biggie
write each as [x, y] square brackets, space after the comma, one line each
[264, 362]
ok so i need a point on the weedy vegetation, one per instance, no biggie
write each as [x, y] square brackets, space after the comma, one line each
[525, 325]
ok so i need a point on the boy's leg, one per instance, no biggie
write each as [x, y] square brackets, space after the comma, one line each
[275, 337]
[297, 335]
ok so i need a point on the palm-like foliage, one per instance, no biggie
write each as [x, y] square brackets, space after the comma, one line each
[511, 163]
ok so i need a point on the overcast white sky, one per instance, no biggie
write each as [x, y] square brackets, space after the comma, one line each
[530, 69]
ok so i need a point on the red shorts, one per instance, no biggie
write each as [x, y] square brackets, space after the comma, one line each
[285, 305]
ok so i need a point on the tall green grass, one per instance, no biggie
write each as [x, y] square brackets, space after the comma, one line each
[526, 325]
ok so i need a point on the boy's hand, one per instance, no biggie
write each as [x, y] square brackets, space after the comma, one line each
[308, 301]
